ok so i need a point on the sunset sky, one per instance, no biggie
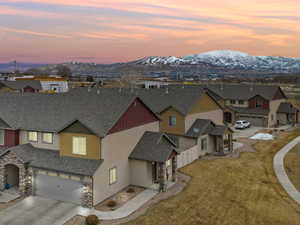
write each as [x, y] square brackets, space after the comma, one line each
[105, 31]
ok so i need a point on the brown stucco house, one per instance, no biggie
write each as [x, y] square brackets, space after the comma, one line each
[82, 146]
[259, 104]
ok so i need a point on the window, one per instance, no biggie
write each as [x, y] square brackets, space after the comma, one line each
[172, 121]
[258, 104]
[272, 117]
[47, 138]
[2, 133]
[79, 145]
[32, 136]
[204, 144]
[241, 102]
[168, 163]
[232, 101]
[112, 175]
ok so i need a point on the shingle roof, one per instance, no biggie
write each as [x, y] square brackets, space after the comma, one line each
[49, 112]
[20, 84]
[153, 147]
[51, 160]
[286, 107]
[203, 126]
[159, 99]
[242, 91]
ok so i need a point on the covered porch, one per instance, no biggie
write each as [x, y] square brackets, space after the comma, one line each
[223, 141]
[153, 162]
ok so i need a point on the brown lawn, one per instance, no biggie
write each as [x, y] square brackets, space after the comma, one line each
[241, 191]
[292, 166]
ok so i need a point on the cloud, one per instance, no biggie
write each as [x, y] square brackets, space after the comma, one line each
[34, 33]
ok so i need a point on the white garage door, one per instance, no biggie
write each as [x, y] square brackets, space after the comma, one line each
[255, 121]
[58, 188]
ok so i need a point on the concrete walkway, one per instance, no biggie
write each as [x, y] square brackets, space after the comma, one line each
[6, 197]
[130, 207]
[278, 164]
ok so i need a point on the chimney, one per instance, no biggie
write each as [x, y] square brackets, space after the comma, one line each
[167, 90]
[98, 91]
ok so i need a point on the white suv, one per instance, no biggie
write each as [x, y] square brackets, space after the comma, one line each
[242, 124]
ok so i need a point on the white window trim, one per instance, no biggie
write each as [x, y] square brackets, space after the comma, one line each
[28, 136]
[79, 153]
[204, 140]
[111, 182]
[46, 142]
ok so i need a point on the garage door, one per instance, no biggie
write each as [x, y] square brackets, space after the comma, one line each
[58, 188]
[255, 121]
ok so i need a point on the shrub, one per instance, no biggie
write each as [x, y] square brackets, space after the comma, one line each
[92, 220]
[111, 203]
[130, 190]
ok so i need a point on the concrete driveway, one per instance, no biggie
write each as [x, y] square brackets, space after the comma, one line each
[245, 133]
[35, 211]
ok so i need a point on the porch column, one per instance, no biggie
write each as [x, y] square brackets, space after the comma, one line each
[161, 175]
[2, 178]
[174, 169]
[230, 142]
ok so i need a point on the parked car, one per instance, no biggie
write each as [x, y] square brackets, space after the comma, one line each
[242, 124]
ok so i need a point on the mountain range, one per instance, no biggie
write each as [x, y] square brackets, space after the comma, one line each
[221, 62]
[230, 60]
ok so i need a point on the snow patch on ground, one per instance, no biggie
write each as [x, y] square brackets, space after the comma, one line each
[262, 136]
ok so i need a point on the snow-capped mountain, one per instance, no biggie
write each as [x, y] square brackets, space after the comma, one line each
[231, 60]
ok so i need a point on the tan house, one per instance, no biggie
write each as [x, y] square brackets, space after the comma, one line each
[82, 146]
[259, 104]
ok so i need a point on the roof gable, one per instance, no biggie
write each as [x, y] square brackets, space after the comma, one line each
[76, 127]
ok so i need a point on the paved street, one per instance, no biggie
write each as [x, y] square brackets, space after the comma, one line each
[35, 211]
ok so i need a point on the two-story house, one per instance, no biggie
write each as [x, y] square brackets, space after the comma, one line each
[261, 105]
[180, 109]
[83, 146]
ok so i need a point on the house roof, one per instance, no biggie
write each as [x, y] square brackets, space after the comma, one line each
[51, 160]
[153, 147]
[51, 112]
[203, 127]
[20, 84]
[286, 107]
[242, 91]
[160, 99]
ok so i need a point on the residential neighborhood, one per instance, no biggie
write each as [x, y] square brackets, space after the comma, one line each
[88, 145]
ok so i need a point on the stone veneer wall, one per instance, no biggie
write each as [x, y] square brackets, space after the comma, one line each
[25, 185]
[87, 196]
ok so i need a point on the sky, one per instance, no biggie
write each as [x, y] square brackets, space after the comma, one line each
[107, 31]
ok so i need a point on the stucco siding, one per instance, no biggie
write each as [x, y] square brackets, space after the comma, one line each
[40, 144]
[211, 147]
[116, 149]
[216, 116]
[140, 173]
[274, 104]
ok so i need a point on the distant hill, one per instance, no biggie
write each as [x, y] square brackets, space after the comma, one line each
[222, 62]
[9, 67]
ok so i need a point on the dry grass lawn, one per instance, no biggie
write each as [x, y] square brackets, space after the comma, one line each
[292, 166]
[241, 191]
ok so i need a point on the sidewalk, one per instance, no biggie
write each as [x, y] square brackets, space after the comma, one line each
[130, 207]
[278, 164]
